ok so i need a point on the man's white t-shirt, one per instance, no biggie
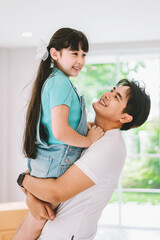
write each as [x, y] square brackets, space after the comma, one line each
[102, 162]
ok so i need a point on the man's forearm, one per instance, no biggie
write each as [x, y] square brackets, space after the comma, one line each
[43, 189]
[71, 183]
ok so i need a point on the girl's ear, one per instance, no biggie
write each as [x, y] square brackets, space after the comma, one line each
[126, 118]
[54, 54]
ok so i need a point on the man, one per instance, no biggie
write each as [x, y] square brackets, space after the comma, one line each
[86, 187]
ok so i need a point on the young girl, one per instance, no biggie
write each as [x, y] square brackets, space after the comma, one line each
[56, 130]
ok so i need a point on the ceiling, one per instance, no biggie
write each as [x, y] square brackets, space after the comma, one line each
[103, 21]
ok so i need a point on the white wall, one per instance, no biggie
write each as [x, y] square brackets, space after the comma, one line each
[17, 69]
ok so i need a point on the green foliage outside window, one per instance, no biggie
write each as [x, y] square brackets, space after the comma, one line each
[144, 170]
[126, 68]
[94, 80]
[141, 170]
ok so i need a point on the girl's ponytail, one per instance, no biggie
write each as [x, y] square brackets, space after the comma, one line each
[29, 146]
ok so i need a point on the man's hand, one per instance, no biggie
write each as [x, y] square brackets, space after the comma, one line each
[39, 209]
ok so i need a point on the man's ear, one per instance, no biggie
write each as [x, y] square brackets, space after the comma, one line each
[126, 118]
[54, 54]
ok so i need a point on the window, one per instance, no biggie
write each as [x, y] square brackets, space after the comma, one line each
[140, 181]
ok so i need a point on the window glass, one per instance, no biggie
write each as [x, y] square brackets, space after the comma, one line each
[93, 81]
[139, 185]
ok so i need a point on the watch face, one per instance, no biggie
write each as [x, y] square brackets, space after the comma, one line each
[20, 179]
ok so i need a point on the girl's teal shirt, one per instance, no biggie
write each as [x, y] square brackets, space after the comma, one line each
[58, 90]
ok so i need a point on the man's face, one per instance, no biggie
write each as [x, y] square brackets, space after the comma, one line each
[111, 105]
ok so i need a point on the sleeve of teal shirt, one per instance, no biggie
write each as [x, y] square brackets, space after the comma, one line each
[60, 92]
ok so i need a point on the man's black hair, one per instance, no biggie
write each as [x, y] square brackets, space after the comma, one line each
[138, 105]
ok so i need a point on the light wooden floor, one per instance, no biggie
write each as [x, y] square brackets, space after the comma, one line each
[11, 215]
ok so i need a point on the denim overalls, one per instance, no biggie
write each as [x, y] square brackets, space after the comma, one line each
[53, 160]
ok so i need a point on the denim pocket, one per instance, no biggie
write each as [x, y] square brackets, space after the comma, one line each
[40, 166]
[71, 157]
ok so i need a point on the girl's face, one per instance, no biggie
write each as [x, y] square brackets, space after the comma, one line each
[70, 62]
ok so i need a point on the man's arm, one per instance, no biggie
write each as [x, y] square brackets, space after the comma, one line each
[40, 210]
[72, 182]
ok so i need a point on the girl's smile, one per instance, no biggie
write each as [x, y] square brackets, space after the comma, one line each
[70, 62]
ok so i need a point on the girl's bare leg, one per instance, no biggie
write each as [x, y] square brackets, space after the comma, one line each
[30, 228]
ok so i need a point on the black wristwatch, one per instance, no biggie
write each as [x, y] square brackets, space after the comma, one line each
[21, 178]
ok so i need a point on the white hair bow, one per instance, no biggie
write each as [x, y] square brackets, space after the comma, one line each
[42, 51]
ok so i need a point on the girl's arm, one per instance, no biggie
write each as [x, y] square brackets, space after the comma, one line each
[63, 132]
[72, 182]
